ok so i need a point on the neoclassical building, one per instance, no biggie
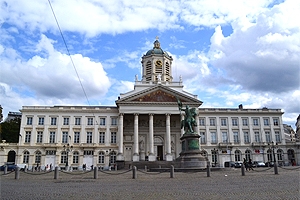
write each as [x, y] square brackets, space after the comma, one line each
[145, 126]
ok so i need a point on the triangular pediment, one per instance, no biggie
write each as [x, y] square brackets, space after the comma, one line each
[159, 95]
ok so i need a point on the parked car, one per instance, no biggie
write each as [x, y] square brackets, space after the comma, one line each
[10, 167]
[238, 164]
[269, 164]
[229, 164]
[258, 164]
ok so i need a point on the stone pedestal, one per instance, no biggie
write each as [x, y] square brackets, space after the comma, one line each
[191, 157]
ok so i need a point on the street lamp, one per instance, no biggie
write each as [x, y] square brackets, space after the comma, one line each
[68, 149]
[215, 157]
[273, 147]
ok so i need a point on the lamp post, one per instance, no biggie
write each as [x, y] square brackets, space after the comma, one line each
[215, 156]
[68, 149]
[273, 147]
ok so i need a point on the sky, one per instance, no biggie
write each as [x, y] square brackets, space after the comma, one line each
[87, 52]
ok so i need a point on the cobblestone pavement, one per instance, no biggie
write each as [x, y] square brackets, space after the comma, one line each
[260, 184]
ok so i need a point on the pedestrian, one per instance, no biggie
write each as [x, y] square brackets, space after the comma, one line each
[245, 164]
[51, 167]
[250, 164]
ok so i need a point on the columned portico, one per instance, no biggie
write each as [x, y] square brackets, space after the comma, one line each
[120, 156]
[136, 138]
[168, 138]
[151, 156]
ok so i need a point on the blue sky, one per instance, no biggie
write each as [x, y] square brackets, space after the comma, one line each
[227, 52]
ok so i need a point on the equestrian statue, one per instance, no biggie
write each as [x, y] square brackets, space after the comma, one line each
[189, 119]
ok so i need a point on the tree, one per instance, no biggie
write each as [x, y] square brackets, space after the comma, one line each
[10, 130]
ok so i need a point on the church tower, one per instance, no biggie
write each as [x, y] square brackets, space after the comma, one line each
[157, 65]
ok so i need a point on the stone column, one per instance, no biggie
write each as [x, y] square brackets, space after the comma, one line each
[182, 118]
[151, 156]
[120, 156]
[168, 138]
[136, 138]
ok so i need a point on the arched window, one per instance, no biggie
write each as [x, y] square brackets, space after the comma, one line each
[26, 157]
[113, 157]
[101, 157]
[269, 154]
[248, 155]
[38, 156]
[63, 158]
[75, 157]
[279, 155]
[237, 155]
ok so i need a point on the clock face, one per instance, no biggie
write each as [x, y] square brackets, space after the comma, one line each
[158, 63]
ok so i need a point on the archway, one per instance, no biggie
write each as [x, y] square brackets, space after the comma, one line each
[11, 157]
[159, 148]
[291, 156]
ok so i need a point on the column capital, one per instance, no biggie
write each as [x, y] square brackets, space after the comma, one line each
[136, 114]
[168, 114]
[121, 114]
[151, 114]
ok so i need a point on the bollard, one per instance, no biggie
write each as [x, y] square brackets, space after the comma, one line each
[116, 167]
[25, 168]
[56, 173]
[243, 169]
[208, 169]
[146, 168]
[17, 173]
[275, 168]
[134, 172]
[172, 172]
[5, 169]
[95, 172]
[32, 168]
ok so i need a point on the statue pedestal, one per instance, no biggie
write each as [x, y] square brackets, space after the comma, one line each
[191, 157]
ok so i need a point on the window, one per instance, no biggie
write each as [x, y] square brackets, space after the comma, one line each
[75, 157]
[50, 152]
[248, 155]
[214, 156]
[268, 136]
[234, 122]
[279, 155]
[76, 137]
[236, 137]
[77, 121]
[212, 122]
[224, 137]
[255, 122]
[245, 122]
[89, 137]
[202, 138]
[237, 155]
[66, 121]
[27, 136]
[277, 136]
[113, 157]
[26, 157]
[88, 153]
[114, 121]
[64, 137]
[113, 138]
[52, 137]
[246, 137]
[266, 121]
[275, 121]
[201, 122]
[269, 155]
[53, 120]
[90, 121]
[41, 120]
[39, 138]
[63, 158]
[29, 120]
[102, 137]
[213, 137]
[38, 157]
[256, 136]
[101, 158]
[102, 121]
[223, 122]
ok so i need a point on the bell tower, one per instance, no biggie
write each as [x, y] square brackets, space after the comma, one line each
[157, 65]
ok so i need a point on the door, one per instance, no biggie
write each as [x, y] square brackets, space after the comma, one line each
[160, 154]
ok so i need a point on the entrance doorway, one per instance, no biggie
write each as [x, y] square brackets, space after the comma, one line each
[11, 158]
[160, 154]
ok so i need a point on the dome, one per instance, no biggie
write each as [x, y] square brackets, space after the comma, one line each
[157, 50]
